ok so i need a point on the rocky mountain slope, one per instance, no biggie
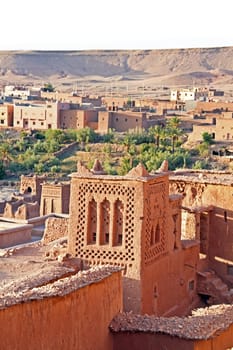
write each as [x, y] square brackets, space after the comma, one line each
[167, 67]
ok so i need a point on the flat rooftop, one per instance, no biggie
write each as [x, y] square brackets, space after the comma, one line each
[33, 272]
[202, 176]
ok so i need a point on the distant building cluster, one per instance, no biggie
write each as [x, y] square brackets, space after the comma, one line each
[202, 110]
[194, 94]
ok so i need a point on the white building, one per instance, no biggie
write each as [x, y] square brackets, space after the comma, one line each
[183, 95]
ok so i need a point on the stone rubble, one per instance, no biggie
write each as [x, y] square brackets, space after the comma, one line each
[202, 324]
[51, 284]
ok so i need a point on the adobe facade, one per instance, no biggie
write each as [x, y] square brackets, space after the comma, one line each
[30, 186]
[132, 222]
[207, 216]
[38, 116]
[72, 312]
[218, 125]
[121, 121]
[138, 224]
[6, 115]
[78, 119]
[55, 198]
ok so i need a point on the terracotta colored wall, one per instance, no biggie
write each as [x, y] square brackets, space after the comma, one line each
[104, 121]
[166, 263]
[210, 106]
[55, 228]
[68, 119]
[223, 341]
[77, 321]
[198, 130]
[55, 198]
[6, 115]
[41, 117]
[221, 218]
[145, 341]
[166, 284]
[121, 121]
[15, 235]
[147, 266]
[77, 119]
[124, 121]
[127, 254]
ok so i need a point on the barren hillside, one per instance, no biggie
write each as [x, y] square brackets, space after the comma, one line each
[159, 67]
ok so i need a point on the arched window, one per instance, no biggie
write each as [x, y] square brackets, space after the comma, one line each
[105, 221]
[118, 225]
[29, 189]
[92, 222]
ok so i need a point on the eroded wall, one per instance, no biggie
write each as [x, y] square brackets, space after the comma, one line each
[216, 224]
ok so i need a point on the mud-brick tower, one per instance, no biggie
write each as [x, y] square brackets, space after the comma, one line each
[30, 186]
[123, 220]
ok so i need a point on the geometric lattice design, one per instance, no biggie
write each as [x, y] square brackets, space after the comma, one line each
[112, 192]
[155, 218]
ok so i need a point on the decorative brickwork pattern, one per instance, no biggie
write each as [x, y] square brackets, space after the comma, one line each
[155, 222]
[116, 202]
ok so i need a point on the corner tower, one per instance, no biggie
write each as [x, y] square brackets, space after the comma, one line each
[119, 220]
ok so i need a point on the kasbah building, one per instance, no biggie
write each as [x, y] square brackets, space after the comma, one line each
[141, 261]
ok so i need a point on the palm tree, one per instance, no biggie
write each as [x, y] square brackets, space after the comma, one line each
[158, 133]
[5, 153]
[174, 131]
[174, 122]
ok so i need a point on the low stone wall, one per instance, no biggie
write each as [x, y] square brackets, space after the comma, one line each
[12, 234]
[55, 228]
[65, 149]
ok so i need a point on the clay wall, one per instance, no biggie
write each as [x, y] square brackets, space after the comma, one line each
[124, 121]
[55, 228]
[44, 116]
[78, 320]
[77, 119]
[114, 101]
[211, 106]
[198, 130]
[93, 204]
[224, 130]
[31, 185]
[164, 259]
[69, 119]
[147, 341]
[220, 219]
[12, 234]
[163, 106]
[55, 198]
[104, 121]
[121, 121]
[6, 115]
[177, 269]
[60, 96]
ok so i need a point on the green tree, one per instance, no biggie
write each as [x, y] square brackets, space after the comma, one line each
[5, 153]
[2, 170]
[158, 132]
[86, 135]
[207, 138]
[48, 87]
[174, 131]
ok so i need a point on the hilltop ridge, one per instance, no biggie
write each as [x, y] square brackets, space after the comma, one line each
[170, 67]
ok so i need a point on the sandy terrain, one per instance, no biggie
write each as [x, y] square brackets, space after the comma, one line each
[135, 72]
